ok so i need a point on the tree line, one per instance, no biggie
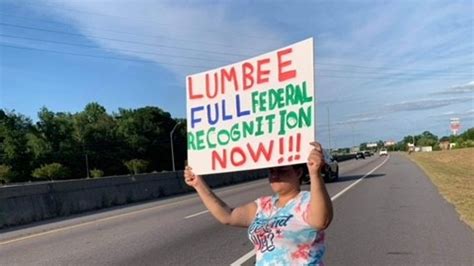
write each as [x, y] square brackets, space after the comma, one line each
[88, 143]
[93, 143]
[464, 140]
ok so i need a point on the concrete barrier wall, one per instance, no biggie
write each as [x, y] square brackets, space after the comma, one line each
[341, 158]
[26, 203]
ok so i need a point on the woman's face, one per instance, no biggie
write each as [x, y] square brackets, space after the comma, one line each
[284, 178]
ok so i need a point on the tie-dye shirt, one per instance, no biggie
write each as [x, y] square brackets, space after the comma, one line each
[282, 236]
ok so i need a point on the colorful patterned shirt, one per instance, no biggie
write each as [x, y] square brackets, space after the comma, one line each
[282, 236]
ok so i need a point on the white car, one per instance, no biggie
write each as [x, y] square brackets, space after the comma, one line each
[383, 152]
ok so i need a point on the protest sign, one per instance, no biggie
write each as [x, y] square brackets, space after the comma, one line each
[256, 113]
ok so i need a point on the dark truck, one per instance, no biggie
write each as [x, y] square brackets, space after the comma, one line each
[330, 169]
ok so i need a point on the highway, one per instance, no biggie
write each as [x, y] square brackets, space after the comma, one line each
[392, 216]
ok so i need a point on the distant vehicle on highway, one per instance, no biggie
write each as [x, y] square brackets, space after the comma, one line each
[367, 153]
[383, 152]
[330, 169]
[360, 155]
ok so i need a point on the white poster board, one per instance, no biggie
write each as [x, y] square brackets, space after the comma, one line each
[256, 113]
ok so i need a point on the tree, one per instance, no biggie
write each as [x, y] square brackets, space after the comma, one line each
[95, 133]
[444, 138]
[13, 145]
[145, 132]
[52, 140]
[427, 139]
[380, 144]
[5, 173]
[465, 139]
[401, 146]
[97, 173]
[39, 147]
[51, 171]
[136, 166]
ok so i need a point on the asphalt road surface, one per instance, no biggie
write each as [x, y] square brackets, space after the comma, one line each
[392, 216]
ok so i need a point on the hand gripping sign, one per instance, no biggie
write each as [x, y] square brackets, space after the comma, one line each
[253, 114]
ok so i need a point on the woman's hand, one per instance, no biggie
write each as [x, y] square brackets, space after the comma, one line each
[191, 179]
[320, 207]
[315, 159]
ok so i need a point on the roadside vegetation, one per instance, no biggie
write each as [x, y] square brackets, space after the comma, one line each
[66, 145]
[452, 171]
[94, 143]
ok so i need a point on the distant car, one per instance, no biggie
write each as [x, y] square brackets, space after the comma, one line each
[330, 170]
[367, 153]
[360, 155]
[383, 152]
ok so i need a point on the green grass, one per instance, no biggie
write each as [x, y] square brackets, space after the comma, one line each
[453, 173]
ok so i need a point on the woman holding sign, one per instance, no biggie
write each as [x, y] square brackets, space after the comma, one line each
[286, 228]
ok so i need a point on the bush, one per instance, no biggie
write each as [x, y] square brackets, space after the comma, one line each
[136, 166]
[6, 173]
[50, 171]
[97, 173]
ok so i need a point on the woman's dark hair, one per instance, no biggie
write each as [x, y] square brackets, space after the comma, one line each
[304, 170]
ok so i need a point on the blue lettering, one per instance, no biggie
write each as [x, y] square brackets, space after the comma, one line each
[193, 119]
[239, 112]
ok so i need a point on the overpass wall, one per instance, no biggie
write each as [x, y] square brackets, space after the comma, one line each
[26, 203]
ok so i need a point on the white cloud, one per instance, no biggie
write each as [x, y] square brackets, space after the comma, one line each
[460, 89]
[166, 28]
[424, 104]
[464, 114]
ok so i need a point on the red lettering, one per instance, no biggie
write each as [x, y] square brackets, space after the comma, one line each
[229, 76]
[192, 96]
[261, 150]
[237, 151]
[221, 160]
[282, 76]
[247, 79]
[208, 86]
[262, 75]
[238, 156]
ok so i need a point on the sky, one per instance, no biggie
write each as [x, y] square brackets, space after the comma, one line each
[383, 69]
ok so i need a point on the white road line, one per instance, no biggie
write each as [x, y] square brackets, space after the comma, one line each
[196, 214]
[250, 254]
[243, 259]
[65, 228]
[90, 222]
[358, 180]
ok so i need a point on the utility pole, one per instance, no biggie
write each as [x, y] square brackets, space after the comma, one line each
[353, 140]
[329, 130]
[87, 165]
[87, 159]
[171, 140]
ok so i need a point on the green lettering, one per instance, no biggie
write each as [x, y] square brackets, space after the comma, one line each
[200, 140]
[306, 98]
[259, 126]
[282, 122]
[248, 128]
[209, 144]
[272, 103]
[281, 100]
[292, 120]
[263, 101]
[305, 117]
[235, 132]
[254, 101]
[298, 95]
[224, 133]
[270, 120]
[191, 144]
[289, 94]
